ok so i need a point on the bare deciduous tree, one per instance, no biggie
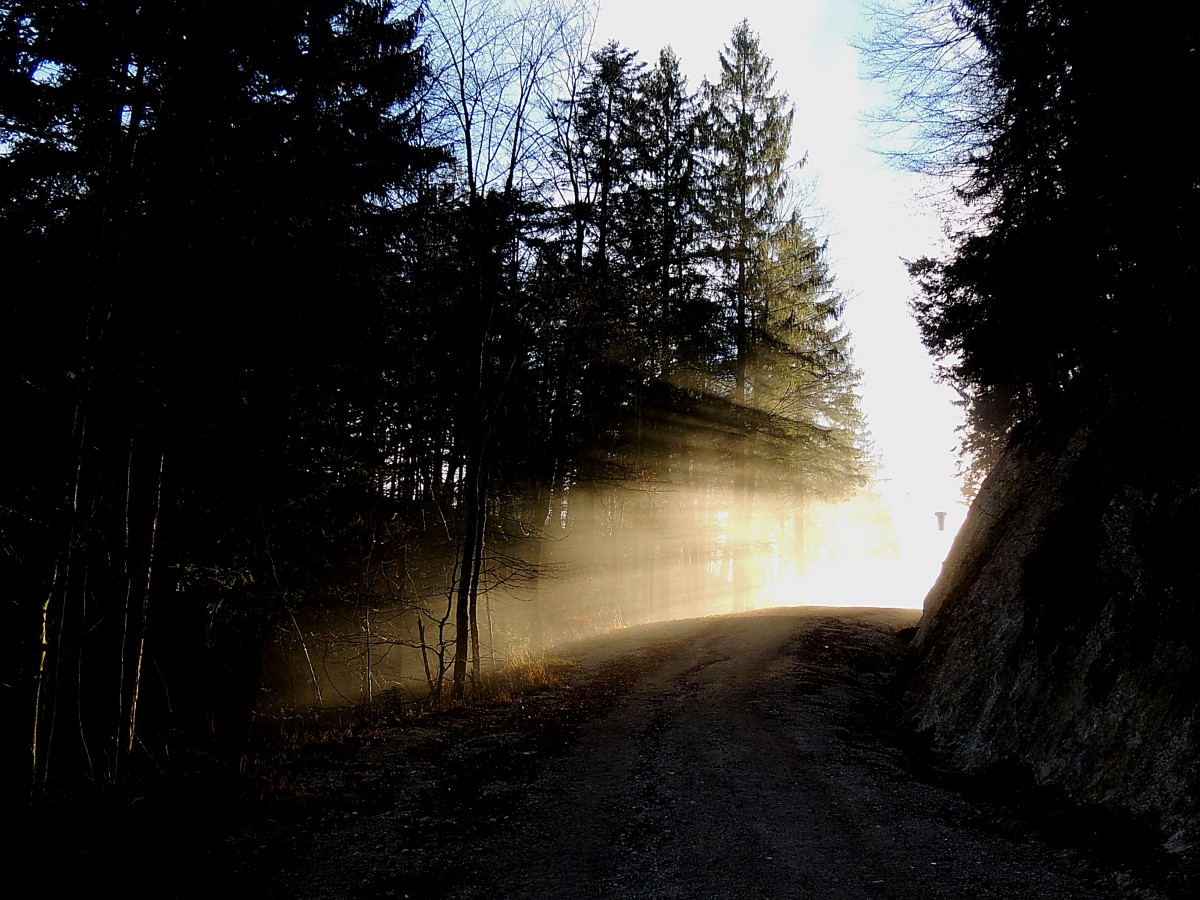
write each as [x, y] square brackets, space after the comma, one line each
[495, 66]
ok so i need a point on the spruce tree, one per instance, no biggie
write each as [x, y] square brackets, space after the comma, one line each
[662, 215]
[1064, 290]
[805, 401]
[749, 128]
[190, 187]
[748, 131]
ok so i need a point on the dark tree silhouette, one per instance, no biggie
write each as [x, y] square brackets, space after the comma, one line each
[1069, 289]
[191, 189]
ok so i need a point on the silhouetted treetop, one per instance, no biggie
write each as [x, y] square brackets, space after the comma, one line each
[1060, 121]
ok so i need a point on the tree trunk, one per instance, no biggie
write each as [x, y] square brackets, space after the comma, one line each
[481, 523]
[468, 572]
[140, 655]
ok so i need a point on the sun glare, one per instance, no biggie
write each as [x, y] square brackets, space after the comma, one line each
[863, 552]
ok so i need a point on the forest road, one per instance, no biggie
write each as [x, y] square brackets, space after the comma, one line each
[746, 756]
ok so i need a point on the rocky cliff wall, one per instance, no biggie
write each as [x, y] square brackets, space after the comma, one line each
[1062, 634]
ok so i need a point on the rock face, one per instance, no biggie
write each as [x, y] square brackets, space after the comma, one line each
[1062, 634]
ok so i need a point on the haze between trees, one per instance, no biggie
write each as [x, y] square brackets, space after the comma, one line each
[326, 309]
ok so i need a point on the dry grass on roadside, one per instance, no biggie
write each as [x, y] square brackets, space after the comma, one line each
[522, 676]
[329, 733]
[313, 727]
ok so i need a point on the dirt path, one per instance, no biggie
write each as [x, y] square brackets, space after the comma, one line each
[742, 756]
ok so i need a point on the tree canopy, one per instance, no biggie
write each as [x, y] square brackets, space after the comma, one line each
[1072, 285]
[325, 309]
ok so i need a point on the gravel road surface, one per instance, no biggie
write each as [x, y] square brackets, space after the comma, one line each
[752, 756]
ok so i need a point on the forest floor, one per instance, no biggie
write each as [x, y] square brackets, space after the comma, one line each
[756, 755]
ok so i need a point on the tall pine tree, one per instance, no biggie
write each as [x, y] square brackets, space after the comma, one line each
[177, 179]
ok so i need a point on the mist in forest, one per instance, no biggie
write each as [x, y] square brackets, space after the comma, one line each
[615, 556]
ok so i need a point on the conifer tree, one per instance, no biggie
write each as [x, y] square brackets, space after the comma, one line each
[177, 179]
[748, 132]
[1062, 292]
[805, 400]
[663, 217]
[749, 129]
